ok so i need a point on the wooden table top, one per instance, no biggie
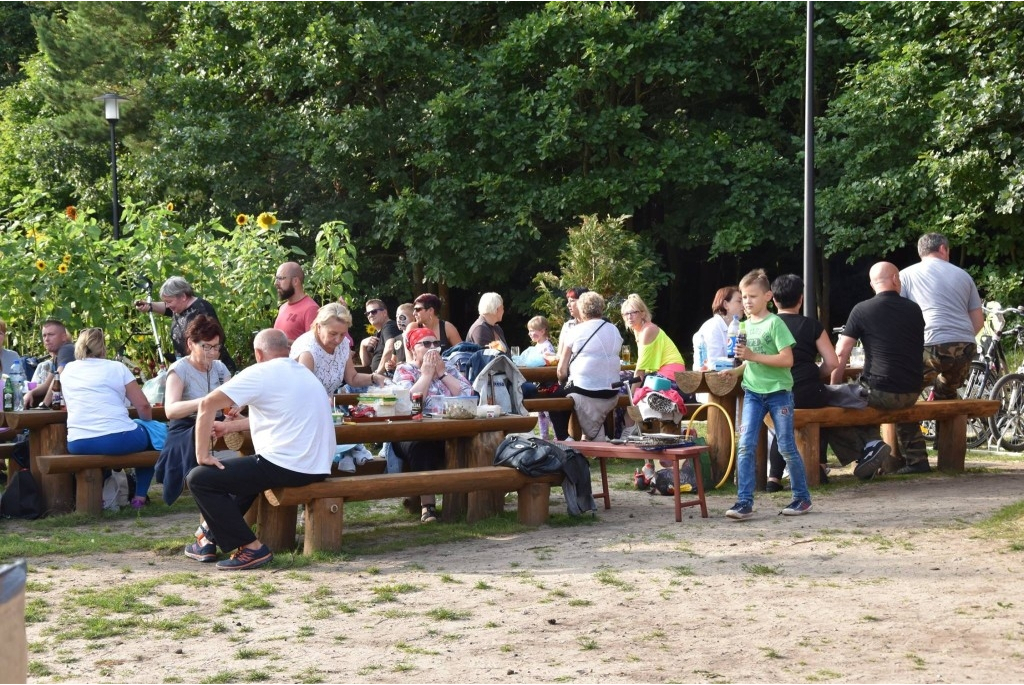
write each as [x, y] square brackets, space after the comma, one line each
[33, 419]
[430, 429]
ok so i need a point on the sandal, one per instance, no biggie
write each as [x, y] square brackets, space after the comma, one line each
[429, 514]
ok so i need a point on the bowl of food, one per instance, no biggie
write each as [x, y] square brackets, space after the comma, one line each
[455, 407]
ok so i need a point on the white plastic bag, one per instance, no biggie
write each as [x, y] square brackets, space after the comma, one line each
[115, 491]
[154, 388]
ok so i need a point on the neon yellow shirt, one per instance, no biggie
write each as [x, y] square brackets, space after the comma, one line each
[661, 351]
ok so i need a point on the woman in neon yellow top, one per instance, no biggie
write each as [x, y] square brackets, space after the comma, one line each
[655, 350]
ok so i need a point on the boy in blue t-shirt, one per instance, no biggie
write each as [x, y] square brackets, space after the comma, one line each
[767, 387]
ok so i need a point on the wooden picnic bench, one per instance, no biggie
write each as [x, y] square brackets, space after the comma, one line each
[88, 472]
[324, 502]
[950, 418]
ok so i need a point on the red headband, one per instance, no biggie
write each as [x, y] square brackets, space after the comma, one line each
[415, 335]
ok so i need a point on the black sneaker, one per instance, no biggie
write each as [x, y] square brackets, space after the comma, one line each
[245, 558]
[874, 457]
[740, 512]
[917, 467]
[773, 486]
[200, 552]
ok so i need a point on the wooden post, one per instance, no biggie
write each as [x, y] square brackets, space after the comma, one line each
[89, 492]
[456, 455]
[58, 489]
[484, 503]
[277, 526]
[951, 443]
[534, 499]
[325, 520]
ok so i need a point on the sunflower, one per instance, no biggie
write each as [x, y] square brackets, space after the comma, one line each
[266, 220]
[71, 212]
[371, 329]
[170, 206]
[62, 268]
[241, 220]
[66, 259]
[41, 265]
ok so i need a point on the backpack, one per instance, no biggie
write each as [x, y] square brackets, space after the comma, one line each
[662, 484]
[460, 355]
[500, 383]
[21, 499]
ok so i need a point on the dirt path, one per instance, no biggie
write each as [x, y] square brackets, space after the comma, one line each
[882, 582]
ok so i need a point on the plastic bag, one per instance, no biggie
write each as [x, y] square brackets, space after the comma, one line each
[154, 388]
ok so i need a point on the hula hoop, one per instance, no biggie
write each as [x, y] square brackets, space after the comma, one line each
[732, 437]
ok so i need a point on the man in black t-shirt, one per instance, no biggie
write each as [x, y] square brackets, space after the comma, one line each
[371, 349]
[891, 329]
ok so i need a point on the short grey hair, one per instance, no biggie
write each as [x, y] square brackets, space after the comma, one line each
[175, 286]
[333, 311]
[489, 303]
[591, 305]
[930, 243]
[272, 342]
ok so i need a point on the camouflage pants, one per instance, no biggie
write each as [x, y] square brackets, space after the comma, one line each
[848, 442]
[947, 366]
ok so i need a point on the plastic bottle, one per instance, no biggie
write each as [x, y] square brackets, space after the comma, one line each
[702, 354]
[741, 339]
[734, 331]
[18, 381]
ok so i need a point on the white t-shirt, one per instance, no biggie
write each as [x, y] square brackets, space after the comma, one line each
[94, 390]
[289, 417]
[596, 365]
[328, 368]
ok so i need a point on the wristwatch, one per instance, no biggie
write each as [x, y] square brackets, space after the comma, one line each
[442, 376]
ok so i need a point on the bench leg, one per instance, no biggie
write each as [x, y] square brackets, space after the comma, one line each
[951, 443]
[89, 492]
[808, 442]
[456, 456]
[482, 504]
[325, 519]
[534, 502]
[277, 526]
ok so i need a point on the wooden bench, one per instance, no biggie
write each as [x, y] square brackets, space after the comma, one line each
[950, 418]
[88, 471]
[324, 502]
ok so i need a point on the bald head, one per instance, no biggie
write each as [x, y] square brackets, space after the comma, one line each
[884, 277]
[270, 343]
[289, 281]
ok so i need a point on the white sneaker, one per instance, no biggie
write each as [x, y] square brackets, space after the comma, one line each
[347, 464]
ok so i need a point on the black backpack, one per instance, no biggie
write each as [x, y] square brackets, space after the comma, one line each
[21, 499]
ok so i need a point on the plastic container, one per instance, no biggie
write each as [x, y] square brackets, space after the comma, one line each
[452, 407]
[657, 383]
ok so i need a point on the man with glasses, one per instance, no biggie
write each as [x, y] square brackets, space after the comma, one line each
[299, 309]
[371, 349]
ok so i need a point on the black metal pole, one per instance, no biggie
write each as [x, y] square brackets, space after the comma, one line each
[113, 177]
[810, 298]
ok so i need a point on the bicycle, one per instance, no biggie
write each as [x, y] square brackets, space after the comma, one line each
[1007, 425]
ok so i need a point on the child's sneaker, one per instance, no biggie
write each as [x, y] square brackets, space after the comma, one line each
[740, 512]
[797, 507]
[245, 558]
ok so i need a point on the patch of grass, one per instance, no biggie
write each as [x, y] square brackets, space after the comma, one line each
[249, 653]
[869, 618]
[762, 569]
[448, 578]
[1007, 524]
[448, 615]
[823, 674]
[310, 675]
[402, 667]
[506, 648]
[412, 649]
[483, 585]
[37, 610]
[247, 600]
[37, 669]
[770, 653]
[580, 603]
[586, 643]
[918, 662]
[608, 577]
[305, 631]
[681, 570]
[173, 600]
[389, 593]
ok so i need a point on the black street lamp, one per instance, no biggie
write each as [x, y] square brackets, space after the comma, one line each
[112, 112]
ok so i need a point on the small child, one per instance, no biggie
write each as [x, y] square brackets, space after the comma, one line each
[538, 355]
[767, 385]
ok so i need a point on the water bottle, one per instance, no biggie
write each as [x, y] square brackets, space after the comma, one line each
[741, 339]
[18, 381]
[734, 332]
[702, 353]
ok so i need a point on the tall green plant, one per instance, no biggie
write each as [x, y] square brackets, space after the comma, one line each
[602, 255]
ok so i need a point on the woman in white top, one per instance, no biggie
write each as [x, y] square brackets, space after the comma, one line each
[728, 302]
[326, 352]
[587, 368]
[95, 390]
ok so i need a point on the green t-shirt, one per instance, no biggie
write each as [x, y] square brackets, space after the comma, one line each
[767, 336]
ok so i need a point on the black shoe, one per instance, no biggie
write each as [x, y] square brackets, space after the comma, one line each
[773, 486]
[824, 475]
[917, 467]
[868, 465]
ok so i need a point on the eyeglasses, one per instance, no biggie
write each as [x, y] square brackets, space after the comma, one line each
[210, 348]
[429, 343]
[418, 309]
[374, 311]
[633, 313]
[282, 278]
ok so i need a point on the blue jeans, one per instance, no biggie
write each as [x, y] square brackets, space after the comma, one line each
[120, 443]
[780, 406]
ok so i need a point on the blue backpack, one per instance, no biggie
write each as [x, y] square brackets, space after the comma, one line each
[460, 355]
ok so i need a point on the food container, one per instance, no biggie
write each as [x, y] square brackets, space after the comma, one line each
[451, 407]
[657, 383]
[488, 411]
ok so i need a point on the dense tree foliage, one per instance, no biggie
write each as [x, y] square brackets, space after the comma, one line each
[461, 141]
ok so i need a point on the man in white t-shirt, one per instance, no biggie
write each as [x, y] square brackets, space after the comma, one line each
[952, 311]
[293, 436]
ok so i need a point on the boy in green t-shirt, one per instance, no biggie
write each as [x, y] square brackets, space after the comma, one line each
[768, 387]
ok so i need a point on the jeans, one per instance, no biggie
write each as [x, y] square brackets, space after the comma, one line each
[780, 406]
[120, 443]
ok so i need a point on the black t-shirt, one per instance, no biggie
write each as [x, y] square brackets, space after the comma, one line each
[891, 328]
[389, 331]
[180, 324]
[807, 383]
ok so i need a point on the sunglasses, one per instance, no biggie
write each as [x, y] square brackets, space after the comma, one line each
[418, 309]
[374, 311]
[429, 344]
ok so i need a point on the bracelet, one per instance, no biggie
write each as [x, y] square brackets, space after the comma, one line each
[442, 376]
[150, 306]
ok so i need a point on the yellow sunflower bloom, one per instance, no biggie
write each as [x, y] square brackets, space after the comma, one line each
[370, 330]
[63, 268]
[266, 220]
[41, 265]
[241, 219]
[71, 212]
[170, 206]
[66, 259]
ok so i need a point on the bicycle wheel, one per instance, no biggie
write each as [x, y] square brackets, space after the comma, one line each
[979, 384]
[1007, 425]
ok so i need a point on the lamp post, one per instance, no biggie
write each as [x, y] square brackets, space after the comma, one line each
[112, 112]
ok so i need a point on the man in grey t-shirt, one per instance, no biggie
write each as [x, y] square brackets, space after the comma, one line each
[952, 313]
